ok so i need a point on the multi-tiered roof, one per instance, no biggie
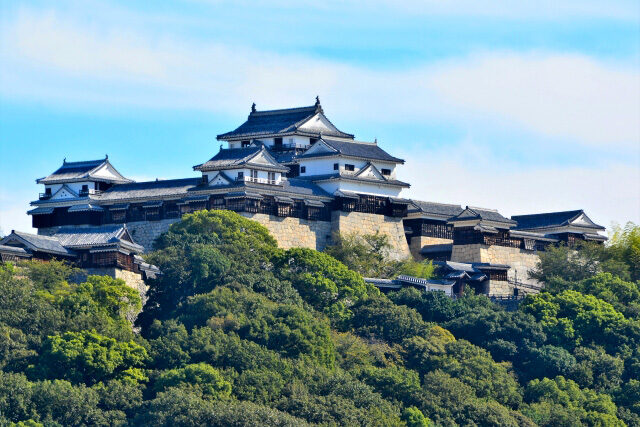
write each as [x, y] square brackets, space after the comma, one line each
[306, 121]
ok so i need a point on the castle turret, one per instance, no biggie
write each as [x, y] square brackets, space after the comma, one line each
[80, 179]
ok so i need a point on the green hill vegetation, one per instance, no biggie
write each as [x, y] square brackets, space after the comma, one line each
[238, 332]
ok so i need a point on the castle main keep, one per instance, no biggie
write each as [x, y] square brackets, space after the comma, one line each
[296, 173]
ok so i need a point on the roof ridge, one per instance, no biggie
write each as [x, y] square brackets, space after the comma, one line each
[550, 213]
[82, 162]
[42, 236]
[473, 208]
[282, 110]
[438, 203]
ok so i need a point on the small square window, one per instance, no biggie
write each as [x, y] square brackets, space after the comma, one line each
[205, 178]
[240, 176]
[245, 143]
[386, 172]
[303, 169]
[313, 140]
[336, 166]
[349, 167]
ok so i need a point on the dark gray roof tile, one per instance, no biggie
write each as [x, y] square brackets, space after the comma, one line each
[149, 189]
[445, 211]
[274, 122]
[551, 219]
[363, 150]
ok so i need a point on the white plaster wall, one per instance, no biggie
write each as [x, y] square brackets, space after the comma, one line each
[324, 166]
[75, 186]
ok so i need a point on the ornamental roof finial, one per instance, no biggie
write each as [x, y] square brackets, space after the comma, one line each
[106, 157]
[64, 160]
[318, 106]
[253, 107]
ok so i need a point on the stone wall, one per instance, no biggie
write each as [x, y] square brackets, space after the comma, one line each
[143, 232]
[498, 288]
[419, 242]
[292, 232]
[520, 260]
[133, 280]
[364, 223]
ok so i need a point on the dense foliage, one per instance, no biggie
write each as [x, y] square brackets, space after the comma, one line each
[238, 332]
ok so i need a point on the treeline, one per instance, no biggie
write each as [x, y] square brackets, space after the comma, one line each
[238, 332]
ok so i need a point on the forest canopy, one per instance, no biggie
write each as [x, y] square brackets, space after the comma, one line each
[239, 332]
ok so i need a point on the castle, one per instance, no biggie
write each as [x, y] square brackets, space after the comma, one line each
[305, 180]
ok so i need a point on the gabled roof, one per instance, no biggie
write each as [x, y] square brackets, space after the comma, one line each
[93, 170]
[439, 210]
[36, 243]
[253, 156]
[282, 122]
[482, 214]
[91, 237]
[356, 149]
[575, 218]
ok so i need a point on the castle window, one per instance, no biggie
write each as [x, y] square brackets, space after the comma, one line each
[47, 191]
[240, 176]
[313, 140]
[245, 143]
[336, 166]
[152, 214]
[119, 215]
[254, 175]
[303, 169]
[217, 203]
[205, 179]
[349, 167]
[272, 177]
[386, 172]
[277, 142]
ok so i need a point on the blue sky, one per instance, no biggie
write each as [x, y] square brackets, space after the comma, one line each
[525, 108]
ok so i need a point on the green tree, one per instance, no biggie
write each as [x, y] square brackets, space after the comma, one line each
[322, 281]
[624, 245]
[199, 376]
[87, 357]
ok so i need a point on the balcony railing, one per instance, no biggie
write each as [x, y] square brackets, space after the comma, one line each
[85, 193]
[257, 180]
[289, 146]
[45, 196]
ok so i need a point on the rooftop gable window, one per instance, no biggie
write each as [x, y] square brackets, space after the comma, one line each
[349, 167]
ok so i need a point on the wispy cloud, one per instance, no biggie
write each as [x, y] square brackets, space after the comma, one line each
[465, 174]
[48, 58]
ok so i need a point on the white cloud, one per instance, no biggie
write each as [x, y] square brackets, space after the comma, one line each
[565, 96]
[540, 9]
[465, 174]
[47, 58]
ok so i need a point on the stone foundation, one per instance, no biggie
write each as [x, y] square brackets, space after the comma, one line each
[133, 280]
[520, 260]
[364, 223]
[143, 232]
[419, 242]
[291, 232]
[295, 232]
